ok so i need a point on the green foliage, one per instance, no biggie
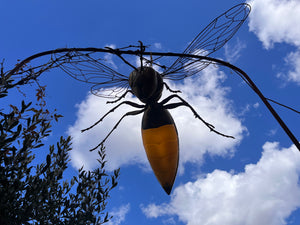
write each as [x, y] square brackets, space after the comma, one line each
[38, 194]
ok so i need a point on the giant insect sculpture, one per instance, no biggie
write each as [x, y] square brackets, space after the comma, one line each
[159, 132]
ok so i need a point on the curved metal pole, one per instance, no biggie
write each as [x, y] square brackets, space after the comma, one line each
[254, 87]
[139, 53]
[266, 102]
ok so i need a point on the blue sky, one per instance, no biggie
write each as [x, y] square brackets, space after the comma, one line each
[253, 179]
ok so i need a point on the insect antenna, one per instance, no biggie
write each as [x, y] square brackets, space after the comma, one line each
[118, 53]
[142, 50]
[152, 62]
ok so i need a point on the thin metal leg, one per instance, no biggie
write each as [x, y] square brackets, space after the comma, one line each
[133, 104]
[169, 89]
[185, 103]
[122, 96]
[132, 113]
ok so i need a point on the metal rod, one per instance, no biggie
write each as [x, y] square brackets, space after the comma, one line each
[139, 53]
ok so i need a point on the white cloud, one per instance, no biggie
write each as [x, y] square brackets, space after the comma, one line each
[272, 132]
[124, 146]
[109, 57]
[118, 215]
[157, 45]
[233, 52]
[277, 21]
[293, 61]
[256, 105]
[265, 193]
[247, 108]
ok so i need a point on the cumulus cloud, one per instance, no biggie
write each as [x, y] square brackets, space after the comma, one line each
[265, 193]
[124, 147]
[118, 215]
[277, 21]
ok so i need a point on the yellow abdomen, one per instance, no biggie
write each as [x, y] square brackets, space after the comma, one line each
[161, 146]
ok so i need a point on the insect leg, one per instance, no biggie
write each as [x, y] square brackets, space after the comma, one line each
[122, 96]
[112, 110]
[185, 103]
[169, 89]
[132, 113]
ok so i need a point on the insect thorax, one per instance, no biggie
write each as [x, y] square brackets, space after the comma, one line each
[146, 84]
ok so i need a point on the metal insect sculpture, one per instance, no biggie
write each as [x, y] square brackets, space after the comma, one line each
[159, 133]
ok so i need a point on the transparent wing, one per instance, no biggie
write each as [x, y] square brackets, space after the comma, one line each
[85, 67]
[209, 40]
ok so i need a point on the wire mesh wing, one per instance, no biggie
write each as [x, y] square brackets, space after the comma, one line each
[84, 67]
[209, 40]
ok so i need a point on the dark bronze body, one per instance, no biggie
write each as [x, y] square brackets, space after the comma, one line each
[159, 132]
